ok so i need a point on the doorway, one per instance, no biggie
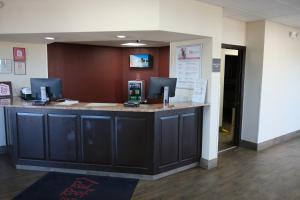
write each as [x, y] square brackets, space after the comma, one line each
[231, 102]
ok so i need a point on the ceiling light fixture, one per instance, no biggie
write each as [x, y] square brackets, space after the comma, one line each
[49, 38]
[121, 36]
[134, 44]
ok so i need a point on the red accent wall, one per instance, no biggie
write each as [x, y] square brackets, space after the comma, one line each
[100, 74]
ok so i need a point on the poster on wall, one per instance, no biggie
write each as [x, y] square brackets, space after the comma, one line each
[19, 54]
[5, 102]
[188, 65]
[20, 68]
[5, 66]
[5, 89]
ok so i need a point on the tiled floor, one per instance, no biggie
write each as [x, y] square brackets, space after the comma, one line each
[242, 174]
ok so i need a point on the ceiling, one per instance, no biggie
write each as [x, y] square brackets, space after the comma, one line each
[151, 38]
[282, 11]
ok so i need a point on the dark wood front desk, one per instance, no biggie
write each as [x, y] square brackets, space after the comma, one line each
[150, 140]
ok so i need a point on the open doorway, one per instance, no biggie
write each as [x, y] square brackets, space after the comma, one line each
[232, 81]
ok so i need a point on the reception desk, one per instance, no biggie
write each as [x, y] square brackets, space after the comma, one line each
[149, 141]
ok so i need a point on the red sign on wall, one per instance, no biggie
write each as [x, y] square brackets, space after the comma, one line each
[19, 54]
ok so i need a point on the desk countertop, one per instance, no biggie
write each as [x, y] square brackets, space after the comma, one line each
[18, 102]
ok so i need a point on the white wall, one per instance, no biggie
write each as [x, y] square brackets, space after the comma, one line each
[272, 84]
[280, 91]
[193, 17]
[234, 32]
[210, 125]
[56, 16]
[32, 16]
[253, 79]
[36, 66]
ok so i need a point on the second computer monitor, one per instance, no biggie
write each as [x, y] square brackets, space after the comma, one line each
[53, 87]
[157, 84]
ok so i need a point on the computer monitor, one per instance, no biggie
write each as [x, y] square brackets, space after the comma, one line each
[53, 87]
[157, 84]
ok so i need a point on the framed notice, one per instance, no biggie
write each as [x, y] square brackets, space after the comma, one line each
[20, 68]
[188, 65]
[5, 102]
[19, 54]
[5, 66]
[5, 90]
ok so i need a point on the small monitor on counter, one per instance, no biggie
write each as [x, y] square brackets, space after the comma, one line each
[51, 87]
[162, 87]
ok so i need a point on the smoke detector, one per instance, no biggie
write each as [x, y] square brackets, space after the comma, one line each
[293, 34]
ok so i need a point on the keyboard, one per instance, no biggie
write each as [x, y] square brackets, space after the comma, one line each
[39, 103]
[131, 104]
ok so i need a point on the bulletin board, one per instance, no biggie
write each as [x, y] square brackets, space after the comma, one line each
[188, 66]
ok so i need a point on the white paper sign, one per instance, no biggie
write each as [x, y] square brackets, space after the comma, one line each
[188, 65]
[5, 66]
[199, 92]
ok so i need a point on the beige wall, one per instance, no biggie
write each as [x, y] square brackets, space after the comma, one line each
[234, 32]
[36, 66]
[193, 17]
[253, 79]
[280, 90]
[36, 63]
[32, 16]
[272, 84]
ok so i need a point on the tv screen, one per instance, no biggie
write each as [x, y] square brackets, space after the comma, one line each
[141, 61]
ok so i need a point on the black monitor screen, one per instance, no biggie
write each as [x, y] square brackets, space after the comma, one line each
[157, 84]
[53, 87]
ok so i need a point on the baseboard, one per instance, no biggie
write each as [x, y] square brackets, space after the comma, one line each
[3, 150]
[111, 174]
[270, 143]
[278, 140]
[208, 164]
[248, 145]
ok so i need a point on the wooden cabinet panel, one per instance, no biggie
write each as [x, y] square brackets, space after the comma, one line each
[127, 142]
[31, 135]
[131, 142]
[169, 140]
[96, 132]
[62, 137]
[189, 136]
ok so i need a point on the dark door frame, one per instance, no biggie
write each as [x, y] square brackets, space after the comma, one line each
[240, 96]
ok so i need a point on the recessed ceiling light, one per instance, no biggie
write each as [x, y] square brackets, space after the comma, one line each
[133, 44]
[49, 38]
[121, 36]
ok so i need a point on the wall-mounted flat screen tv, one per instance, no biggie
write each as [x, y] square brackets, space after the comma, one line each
[141, 61]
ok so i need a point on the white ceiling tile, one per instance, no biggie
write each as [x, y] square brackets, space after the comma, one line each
[282, 11]
[289, 20]
[244, 16]
[292, 3]
[278, 11]
[255, 5]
